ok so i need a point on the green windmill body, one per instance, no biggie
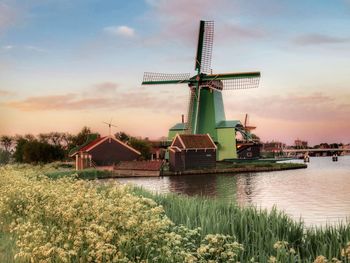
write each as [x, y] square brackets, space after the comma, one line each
[206, 109]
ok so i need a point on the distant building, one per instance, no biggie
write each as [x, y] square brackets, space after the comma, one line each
[248, 150]
[104, 151]
[299, 144]
[346, 146]
[158, 149]
[192, 151]
[273, 146]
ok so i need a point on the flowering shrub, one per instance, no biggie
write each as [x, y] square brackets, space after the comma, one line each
[69, 220]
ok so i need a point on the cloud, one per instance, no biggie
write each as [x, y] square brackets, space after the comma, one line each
[106, 87]
[7, 47]
[4, 93]
[123, 31]
[178, 20]
[8, 16]
[238, 31]
[28, 48]
[319, 39]
[130, 99]
[34, 48]
[316, 107]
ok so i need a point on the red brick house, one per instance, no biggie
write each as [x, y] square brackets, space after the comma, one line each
[104, 151]
[192, 151]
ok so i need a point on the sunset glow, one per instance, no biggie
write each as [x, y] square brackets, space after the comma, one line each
[68, 64]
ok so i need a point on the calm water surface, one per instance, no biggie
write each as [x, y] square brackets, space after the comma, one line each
[319, 194]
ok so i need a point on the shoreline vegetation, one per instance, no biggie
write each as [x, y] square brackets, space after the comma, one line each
[72, 220]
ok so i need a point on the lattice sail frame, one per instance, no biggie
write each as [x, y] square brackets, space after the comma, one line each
[159, 77]
[241, 83]
[207, 47]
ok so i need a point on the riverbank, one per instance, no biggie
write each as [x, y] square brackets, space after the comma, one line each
[70, 220]
[221, 168]
[234, 168]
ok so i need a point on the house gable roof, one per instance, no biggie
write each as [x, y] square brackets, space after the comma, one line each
[195, 141]
[100, 140]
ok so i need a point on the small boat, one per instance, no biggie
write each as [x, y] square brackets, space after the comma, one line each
[335, 158]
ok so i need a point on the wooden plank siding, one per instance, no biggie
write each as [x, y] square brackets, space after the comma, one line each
[199, 159]
[192, 159]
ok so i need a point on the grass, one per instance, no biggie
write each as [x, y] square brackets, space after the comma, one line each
[70, 220]
[87, 174]
[7, 247]
[257, 230]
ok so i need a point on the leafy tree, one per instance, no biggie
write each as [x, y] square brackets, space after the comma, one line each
[44, 137]
[20, 143]
[41, 152]
[29, 137]
[4, 156]
[82, 137]
[56, 138]
[122, 136]
[6, 142]
[143, 146]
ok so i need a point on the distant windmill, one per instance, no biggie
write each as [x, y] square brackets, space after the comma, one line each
[246, 126]
[110, 125]
[206, 109]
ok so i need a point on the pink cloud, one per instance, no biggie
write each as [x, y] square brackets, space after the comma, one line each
[118, 100]
[106, 86]
[9, 16]
[179, 20]
[6, 93]
[307, 108]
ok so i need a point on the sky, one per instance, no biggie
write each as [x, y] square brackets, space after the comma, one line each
[68, 64]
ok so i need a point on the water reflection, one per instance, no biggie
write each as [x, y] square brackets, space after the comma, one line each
[318, 194]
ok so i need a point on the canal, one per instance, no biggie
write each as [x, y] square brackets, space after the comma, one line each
[319, 194]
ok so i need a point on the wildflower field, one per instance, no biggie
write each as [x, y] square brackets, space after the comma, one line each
[72, 220]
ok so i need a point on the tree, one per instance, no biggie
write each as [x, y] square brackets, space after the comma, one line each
[122, 136]
[85, 135]
[43, 137]
[20, 143]
[6, 142]
[56, 138]
[41, 152]
[4, 156]
[143, 146]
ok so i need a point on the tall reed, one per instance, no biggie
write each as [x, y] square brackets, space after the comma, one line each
[256, 229]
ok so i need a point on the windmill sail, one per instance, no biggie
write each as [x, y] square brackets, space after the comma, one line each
[231, 81]
[151, 78]
[204, 47]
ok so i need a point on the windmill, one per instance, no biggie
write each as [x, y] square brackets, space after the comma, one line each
[110, 125]
[206, 109]
[247, 127]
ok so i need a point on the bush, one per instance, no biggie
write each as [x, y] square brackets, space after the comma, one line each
[68, 220]
[5, 157]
